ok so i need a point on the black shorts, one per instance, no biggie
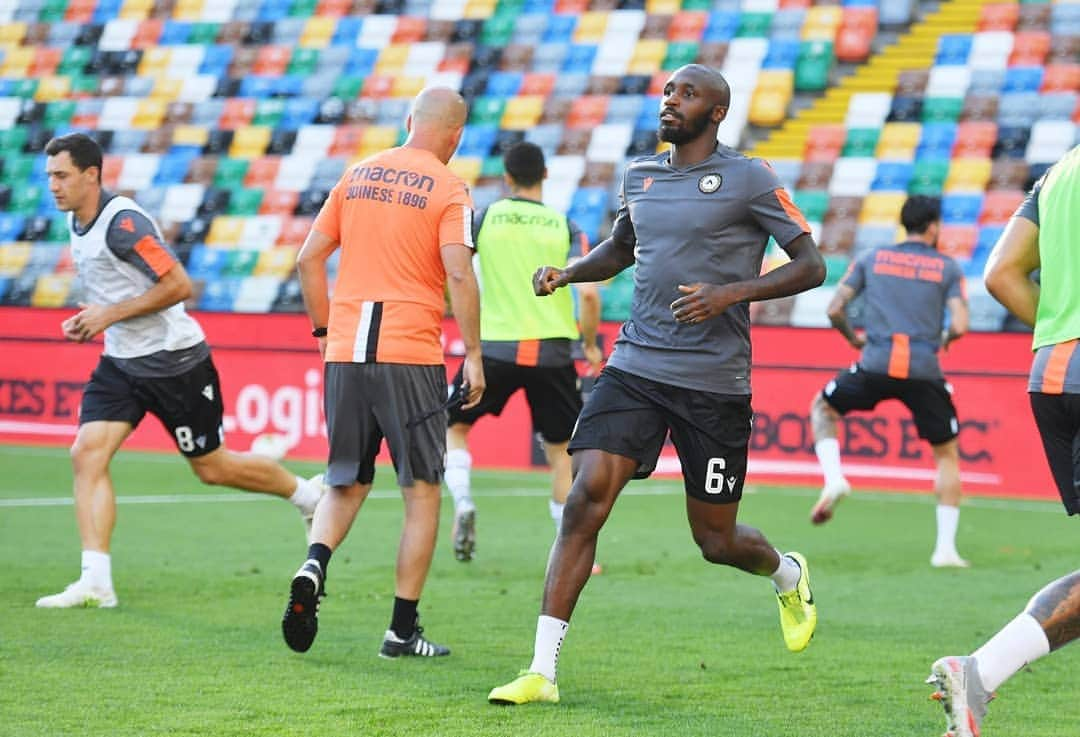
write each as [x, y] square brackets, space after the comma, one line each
[366, 402]
[188, 405]
[631, 416]
[929, 400]
[553, 394]
[1058, 419]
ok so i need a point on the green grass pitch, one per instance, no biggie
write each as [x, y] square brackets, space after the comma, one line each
[661, 644]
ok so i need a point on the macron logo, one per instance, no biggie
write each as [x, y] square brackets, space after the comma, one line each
[127, 224]
[647, 183]
[208, 392]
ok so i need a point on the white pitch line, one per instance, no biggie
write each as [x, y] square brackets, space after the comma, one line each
[1013, 505]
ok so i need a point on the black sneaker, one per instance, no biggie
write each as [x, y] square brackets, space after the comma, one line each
[394, 647]
[301, 620]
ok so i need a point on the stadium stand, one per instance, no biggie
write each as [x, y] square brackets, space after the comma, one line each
[230, 120]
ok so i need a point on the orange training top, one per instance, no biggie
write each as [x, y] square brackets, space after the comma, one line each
[392, 213]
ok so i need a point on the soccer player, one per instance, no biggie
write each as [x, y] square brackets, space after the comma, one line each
[1043, 234]
[403, 222]
[907, 290]
[696, 220]
[526, 340]
[155, 360]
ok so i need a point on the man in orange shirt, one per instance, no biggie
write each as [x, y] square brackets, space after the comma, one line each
[403, 222]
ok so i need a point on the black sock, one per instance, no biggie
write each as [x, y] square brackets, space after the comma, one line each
[404, 622]
[321, 553]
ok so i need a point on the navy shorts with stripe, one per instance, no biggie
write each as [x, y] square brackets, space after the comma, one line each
[631, 416]
[189, 405]
[929, 400]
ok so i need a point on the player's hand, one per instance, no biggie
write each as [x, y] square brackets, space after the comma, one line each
[69, 330]
[858, 341]
[87, 323]
[322, 347]
[594, 356]
[472, 381]
[701, 302]
[547, 279]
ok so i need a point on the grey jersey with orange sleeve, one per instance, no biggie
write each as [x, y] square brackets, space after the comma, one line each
[709, 223]
[120, 255]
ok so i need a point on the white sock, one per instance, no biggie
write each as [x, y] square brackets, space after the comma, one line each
[948, 518]
[458, 463]
[556, 509]
[1018, 643]
[549, 636]
[97, 569]
[828, 455]
[306, 495]
[786, 576]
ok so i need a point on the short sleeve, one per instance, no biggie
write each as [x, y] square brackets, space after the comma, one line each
[133, 238]
[771, 207]
[328, 221]
[579, 242]
[622, 229]
[855, 278]
[456, 224]
[1029, 208]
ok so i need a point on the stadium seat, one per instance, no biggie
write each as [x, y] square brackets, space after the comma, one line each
[957, 241]
[961, 208]
[998, 206]
[968, 175]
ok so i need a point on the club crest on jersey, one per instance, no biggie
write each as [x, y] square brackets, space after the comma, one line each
[710, 183]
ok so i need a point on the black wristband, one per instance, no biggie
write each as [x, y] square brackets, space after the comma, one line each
[318, 332]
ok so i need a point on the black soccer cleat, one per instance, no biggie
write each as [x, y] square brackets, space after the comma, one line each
[300, 623]
[395, 647]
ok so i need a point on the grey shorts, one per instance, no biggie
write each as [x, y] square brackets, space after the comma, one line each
[366, 402]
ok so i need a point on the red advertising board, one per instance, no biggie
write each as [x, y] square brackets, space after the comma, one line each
[272, 382]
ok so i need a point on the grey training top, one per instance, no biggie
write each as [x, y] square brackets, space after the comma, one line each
[906, 288]
[709, 223]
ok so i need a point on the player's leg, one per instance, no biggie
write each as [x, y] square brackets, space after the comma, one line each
[599, 476]
[108, 412]
[554, 399]
[191, 408]
[947, 488]
[618, 437]
[501, 384]
[935, 418]
[95, 512]
[418, 454]
[459, 482]
[850, 390]
[711, 433]
[1051, 618]
[353, 438]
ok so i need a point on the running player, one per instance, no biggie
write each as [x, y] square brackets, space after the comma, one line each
[696, 221]
[526, 340]
[908, 291]
[155, 360]
[1043, 234]
[403, 222]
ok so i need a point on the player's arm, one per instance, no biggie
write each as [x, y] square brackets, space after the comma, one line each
[588, 302]
[314, 284]
[837, 312]
[132, 237]
[806, 270]
[602, 263]
[465, 302]
[1008, 270]
[959, 319]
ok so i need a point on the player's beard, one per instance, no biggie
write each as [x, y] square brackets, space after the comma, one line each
[688, 131]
